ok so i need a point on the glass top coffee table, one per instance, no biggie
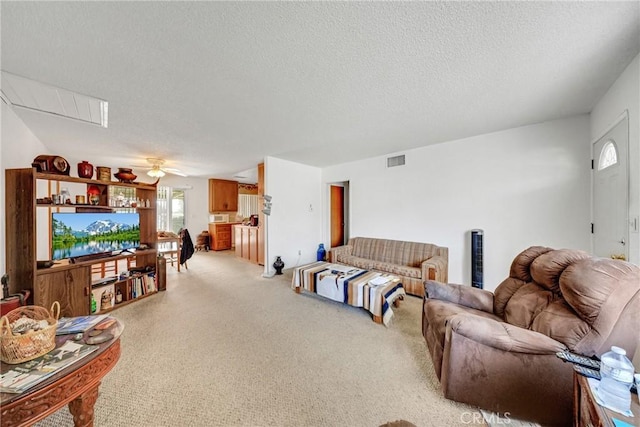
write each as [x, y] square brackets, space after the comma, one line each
[371, 290]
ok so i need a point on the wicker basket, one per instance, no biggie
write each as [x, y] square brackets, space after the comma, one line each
[22, 348]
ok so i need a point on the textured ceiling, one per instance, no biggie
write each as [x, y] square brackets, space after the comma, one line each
[213, 87]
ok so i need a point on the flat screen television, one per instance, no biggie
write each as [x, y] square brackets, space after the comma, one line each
[75, 234]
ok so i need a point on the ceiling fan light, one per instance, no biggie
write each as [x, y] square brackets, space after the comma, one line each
[155, 173]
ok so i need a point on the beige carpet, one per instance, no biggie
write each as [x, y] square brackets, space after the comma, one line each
[225, 347]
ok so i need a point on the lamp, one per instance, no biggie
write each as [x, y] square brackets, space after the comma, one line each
[155, 172]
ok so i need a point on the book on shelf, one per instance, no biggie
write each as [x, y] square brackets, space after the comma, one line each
[142, 284]
[74, 325]
[25, 375]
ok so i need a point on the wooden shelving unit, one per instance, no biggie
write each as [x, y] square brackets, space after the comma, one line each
[69, 284]
[131, 290]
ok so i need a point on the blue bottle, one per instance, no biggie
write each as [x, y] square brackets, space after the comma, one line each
[322, 253]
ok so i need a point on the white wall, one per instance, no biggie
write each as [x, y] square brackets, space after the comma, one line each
[18, 148]
[623, 95]
[524, 186]
[295, 222]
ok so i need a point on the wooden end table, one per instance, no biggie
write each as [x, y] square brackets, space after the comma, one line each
[586, 412]
[76, 385]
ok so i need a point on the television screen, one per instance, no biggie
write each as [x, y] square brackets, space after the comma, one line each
[76, 234]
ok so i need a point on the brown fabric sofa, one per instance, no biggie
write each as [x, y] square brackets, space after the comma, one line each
[413, 262]
[497, 350]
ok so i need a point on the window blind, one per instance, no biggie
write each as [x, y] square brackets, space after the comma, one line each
[248, 204]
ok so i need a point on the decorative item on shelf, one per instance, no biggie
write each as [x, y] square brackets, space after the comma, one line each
[94, 195]
[11, 302]
[85, 169]
[118, 296]
[321, 253]
[278, 264]
[103, 173]
[65, 196]
[94, 305]
[105, 300]
[125, 175]
[51, 164]
[80, 200]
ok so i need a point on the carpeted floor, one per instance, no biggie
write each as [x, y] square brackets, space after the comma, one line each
[224, 346]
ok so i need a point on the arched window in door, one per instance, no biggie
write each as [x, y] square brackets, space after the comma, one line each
[608, 155]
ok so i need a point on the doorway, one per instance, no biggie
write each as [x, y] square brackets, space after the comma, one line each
[610, 192]
[339, 213]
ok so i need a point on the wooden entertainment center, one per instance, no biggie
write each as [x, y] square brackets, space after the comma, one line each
[68, 283]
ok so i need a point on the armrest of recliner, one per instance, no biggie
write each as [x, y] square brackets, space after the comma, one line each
[435, 268]
[339, 250]
[467, 296]
[502, 336]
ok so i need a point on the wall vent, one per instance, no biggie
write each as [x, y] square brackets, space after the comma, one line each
[32, 95]
[395, 161]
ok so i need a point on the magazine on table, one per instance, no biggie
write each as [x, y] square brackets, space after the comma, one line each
[28, 374]
[74, 325]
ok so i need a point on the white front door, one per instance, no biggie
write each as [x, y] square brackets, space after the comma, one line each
[610, 193]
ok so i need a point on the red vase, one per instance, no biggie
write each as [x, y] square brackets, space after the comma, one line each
[85, 169]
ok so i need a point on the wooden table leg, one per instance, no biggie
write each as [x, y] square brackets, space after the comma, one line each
[82, 407]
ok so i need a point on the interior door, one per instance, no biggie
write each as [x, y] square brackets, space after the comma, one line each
[337, 216]
[610, 192]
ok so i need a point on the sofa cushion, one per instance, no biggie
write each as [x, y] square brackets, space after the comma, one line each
[599, 290]
[522, 262]
[561, 323]
[439, 311]
[547, 268]
[392, 251]
[401, 270]
[354, 261]
[503, 294]
[525, 304]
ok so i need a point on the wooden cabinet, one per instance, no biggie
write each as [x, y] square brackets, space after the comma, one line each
[69, 286]
[68, 283]
[237, 234]
[223, 195]
[248, 242]
[220, 236]
[253, 244]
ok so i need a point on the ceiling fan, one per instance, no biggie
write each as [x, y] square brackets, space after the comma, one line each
[155, 169]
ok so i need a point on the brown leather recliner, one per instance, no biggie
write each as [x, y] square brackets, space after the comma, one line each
[498, 350]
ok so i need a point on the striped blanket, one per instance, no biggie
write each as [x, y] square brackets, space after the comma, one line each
[352, 286]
